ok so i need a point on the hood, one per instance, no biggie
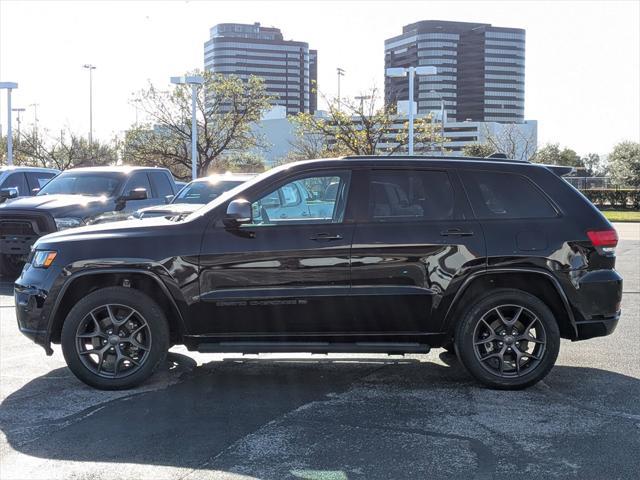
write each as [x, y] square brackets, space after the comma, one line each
[127, 228]
[57, 203]
[170, 209]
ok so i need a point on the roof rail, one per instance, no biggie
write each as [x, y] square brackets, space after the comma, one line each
[498, 155]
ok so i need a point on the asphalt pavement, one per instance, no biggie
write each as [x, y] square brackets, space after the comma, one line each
[331, 417]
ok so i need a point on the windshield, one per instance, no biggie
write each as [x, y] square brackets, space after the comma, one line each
[204, 192]
[96, 184]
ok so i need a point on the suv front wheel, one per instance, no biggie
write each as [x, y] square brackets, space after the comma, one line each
[508, 340]
[115, 338]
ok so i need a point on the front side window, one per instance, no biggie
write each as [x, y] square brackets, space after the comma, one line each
[84, 183]
[18, 181]
[161, 184]
[410, 195]
[139, 180]
[505, 195]
[311, 199]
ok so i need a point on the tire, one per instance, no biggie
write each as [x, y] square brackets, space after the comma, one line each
[126, 328]
[508, 340]
[10, 266]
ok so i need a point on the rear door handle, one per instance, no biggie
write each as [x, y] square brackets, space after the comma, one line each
[456, 232]
[325, 237]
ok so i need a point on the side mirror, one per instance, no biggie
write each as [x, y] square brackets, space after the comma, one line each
[169, 198]
[7, 193]
[238, 212]
[136, 194]
[34, 191]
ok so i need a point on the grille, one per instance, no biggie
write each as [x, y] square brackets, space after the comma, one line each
[16, 228]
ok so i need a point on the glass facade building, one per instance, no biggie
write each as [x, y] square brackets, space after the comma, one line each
[289, 68]
[480, 69]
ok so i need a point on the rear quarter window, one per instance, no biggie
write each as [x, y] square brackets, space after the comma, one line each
[499, 195]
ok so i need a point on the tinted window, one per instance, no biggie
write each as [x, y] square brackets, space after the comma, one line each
[414, 195]
[205, 191]
[38, 179]
[312, 199]
[84, 183]
[161, 184]
[140, 180]
[19, 182]
[505, 195]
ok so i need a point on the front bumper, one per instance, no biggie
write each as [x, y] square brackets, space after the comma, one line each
[34, 304]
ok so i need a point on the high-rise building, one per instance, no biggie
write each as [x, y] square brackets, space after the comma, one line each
[289, 68]
[480, 69]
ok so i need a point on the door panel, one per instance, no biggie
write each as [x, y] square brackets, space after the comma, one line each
[418, 239]
[277, 277]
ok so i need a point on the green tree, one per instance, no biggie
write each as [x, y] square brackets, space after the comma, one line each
[227, 108]
[551, 154]
[593, 164]
[478, 150]
[241, 162]
[359, 127]
[66, 150]
[624, 164]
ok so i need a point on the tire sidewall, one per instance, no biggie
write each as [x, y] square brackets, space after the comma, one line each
[135, 299]
[465, 332]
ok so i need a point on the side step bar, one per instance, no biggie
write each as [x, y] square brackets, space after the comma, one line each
[312, 347]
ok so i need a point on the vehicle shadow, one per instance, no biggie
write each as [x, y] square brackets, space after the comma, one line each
[200, 413]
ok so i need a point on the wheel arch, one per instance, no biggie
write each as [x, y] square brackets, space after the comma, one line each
[537, 282]
[83, 283]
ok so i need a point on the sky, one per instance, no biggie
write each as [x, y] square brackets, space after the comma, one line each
[582, 57]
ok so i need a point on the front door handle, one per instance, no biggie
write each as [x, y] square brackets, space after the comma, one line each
[325, 237]
[456, 232]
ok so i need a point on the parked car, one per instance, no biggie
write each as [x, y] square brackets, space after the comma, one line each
[23, 181]
[77, 197]
[195, 195]
[496, 260]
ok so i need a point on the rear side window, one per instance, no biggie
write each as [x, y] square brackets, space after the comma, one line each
[505, 195]
[410, 195]
[38, 179]
[161, 184]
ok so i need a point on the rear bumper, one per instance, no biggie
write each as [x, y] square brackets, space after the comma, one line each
[597, 328]
[597, 301]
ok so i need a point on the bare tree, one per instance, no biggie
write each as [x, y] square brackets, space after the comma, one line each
[227, 107]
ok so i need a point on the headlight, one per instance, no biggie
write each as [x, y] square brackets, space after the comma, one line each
[68, 222]
[43, 258]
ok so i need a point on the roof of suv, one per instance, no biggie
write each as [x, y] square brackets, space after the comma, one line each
[126, 169]
[408, 160]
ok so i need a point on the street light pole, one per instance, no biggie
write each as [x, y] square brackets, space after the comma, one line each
[194, 81]
[91, 68]
[18, 111]
[340, 72]
[9, 86]
[411, 71]
[362, 98]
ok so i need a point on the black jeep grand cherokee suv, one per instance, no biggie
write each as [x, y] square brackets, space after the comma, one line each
[495, 259]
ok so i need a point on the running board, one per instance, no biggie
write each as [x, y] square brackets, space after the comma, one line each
[312, 347]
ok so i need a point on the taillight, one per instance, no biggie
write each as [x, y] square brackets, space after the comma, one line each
[603, 238]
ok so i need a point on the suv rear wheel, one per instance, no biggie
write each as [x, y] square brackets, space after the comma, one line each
[508, 340]
[115, 338]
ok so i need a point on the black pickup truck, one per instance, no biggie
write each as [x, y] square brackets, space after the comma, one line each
[77, 197]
